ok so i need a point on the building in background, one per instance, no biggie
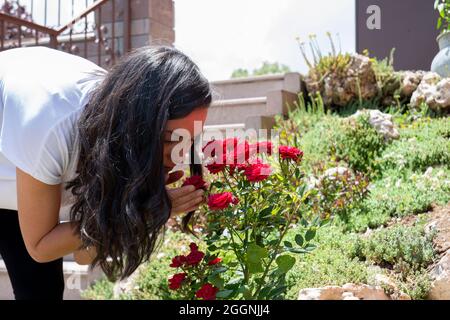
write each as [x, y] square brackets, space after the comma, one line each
[100, 30]
[409, 26]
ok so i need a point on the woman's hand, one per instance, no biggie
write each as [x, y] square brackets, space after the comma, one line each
[184, 199]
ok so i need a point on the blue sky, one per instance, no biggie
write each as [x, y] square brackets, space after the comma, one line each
[222, 36]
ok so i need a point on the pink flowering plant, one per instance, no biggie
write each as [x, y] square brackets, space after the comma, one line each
[257, 195]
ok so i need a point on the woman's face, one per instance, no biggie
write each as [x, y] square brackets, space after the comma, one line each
[186, 123]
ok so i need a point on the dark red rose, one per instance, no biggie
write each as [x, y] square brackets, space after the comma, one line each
[221, 201]
[178, 261]
[290, 153]
[207, 292]
[215, 167]
[176, 281]
[214, 261]
[194, 258]
[262, 147]
[196, 181]
[211, 148]
[257, 171]
[193, 246]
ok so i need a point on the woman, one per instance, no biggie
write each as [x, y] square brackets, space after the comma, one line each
[77, 139]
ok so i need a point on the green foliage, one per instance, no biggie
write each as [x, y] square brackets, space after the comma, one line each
[443, 7]
[424, 143]
[406, 250]
[400, 194]
[401, 248]
[332, 263]
[266, 68]
[358, 144]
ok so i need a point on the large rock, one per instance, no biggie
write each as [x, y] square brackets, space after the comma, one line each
[410, 81]
[433, 91]
[440, 275]
[356, 80]
[439, 224]
[381, 122]
[348, 291]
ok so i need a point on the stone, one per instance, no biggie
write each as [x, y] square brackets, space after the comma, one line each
[434, 92]
[440, 275]
[410, 80]
[381, 122]
[348, 291]
[357, 81]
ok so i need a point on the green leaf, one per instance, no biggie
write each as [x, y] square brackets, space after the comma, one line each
[298, 250]
[255, 267]
[216, 281]
[287, 244]
[264, 292]
[256, 253]
[299, 240]
[310, 234]
[265, 213]
[277, 291]
[285, 263]
[224, 294]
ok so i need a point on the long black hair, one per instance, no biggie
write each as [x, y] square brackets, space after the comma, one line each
[121, 201]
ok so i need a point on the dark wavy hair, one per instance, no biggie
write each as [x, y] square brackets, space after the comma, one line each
[121, 202]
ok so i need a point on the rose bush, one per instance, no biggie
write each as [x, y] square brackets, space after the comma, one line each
[257, 195]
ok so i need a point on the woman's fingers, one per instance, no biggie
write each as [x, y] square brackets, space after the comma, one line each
[188, 197]
[176, 193]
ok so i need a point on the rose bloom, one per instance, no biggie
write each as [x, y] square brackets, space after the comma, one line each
[214, 261]
[196, 181]
[194, 258]
[207, 292]
[290, 153]
[257, 172]
[229, 151]
[262, 147]
[193, 246]
[178, 261]
[215, 167]
[221, 201]
[176, 281]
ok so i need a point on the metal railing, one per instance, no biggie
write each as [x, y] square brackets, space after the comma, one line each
[100, 33]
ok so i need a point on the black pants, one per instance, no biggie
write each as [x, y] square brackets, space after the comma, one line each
[30, 280]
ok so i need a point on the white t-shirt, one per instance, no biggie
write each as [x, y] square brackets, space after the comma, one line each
[42, 93]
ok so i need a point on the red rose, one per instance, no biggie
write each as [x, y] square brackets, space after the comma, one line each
[257, 171]
[193, 246]
[290, 153]
[237, 167]
[221, 201]
[211, 147]
[176, 281]
[240, 154]
[196, 181]
[194, 258]
[262, 147]
[178, 261]
[207, 292]
[215, 168]
[214, 261]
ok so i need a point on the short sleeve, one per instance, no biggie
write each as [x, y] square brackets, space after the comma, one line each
[45, 160]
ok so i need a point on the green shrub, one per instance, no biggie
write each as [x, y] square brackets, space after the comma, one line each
[423, 144]
[359, 144]
[332, 263]
[405, 250]
[399, 194]
[401, 248]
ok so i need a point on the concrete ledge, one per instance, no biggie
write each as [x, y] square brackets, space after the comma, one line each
[77, 278]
